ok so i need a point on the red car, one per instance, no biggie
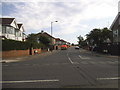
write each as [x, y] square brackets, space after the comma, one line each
[63, 47]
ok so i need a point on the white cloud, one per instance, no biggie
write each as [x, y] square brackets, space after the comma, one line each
[38, 15]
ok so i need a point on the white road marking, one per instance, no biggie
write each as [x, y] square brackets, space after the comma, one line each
[83, 57]
[71, 60]
[8, 61]
[30, 81]
[113, 78]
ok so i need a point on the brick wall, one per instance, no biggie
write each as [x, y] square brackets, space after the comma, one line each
[18, 53]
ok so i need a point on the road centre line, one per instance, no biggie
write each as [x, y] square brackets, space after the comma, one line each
[113, 78]
[30, 81]
[83, 57]
[71, 60]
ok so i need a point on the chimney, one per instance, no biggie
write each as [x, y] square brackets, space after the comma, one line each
[119, 6]
[42, 31]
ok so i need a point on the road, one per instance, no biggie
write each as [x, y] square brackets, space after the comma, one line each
[63, 69]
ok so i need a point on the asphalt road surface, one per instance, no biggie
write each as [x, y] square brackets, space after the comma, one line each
[63, 69]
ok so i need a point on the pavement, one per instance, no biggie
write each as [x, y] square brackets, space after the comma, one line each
[100, 54]
[23, 58]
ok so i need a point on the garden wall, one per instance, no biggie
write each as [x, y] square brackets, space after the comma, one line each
[18, 53]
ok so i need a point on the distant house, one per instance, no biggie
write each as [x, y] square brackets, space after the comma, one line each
[11, 30]
[51, 38]
[58, 41]
[63, 42]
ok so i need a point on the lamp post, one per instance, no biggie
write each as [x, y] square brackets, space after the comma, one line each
[52, 28]
[51, 35]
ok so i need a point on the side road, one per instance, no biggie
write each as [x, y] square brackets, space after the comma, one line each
[23, 58]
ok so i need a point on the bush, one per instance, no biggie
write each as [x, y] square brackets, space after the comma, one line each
[18, 45]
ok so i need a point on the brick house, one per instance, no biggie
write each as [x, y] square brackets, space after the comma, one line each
[60, 42]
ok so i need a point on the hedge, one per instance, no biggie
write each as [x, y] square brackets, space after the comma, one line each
[19, 45]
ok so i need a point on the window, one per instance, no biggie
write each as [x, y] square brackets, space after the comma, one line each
[19, 34]
[10, 30]
[3, 29]
[0, 28]
[115, 35]
[119, 35]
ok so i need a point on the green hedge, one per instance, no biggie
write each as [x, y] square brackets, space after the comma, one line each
[19, 45]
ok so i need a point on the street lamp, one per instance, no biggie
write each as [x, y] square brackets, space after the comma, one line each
[52, 47]
[51, 27]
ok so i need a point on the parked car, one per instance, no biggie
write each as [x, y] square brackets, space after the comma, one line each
[77, 47]
[63, 47]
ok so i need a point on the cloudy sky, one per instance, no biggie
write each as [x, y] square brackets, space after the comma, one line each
[76, 17]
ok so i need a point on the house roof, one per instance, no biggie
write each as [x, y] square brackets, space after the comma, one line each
[57, 39]
[6, 21]
[44, 33]
[19, 25]
[115, 22]
[63, 40]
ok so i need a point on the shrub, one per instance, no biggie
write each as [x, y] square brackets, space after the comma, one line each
[19, 45]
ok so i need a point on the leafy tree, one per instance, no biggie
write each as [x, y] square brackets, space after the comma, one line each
[44, 40]
[81, 41]
[106, 34]
[99, 36]
[36, 38]
[80, 38]
[32, 37]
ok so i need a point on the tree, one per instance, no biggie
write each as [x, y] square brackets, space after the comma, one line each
[80, 38]
[44, 40]
[35, 38]
[98, 36]
[32, 37]
[81, 41]
[106, 34]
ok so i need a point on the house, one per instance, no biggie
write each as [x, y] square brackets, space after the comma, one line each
[21, 36]
[51, 38]
[115, 27]
[11, 30]
[63, 42]
[58, 41]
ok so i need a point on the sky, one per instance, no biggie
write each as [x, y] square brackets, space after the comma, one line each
[75, 17]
